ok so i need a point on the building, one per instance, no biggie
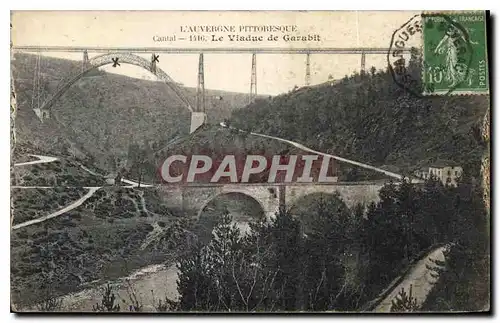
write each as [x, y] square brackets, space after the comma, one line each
[447, 173]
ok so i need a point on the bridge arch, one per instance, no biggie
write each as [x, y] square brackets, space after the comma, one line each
[314, 197]
[226, 193]
[351, 193]
[106, 59]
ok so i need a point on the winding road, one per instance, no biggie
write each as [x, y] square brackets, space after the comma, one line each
[41, 160]
[420, 277]
[304, 148]
[67, 208]
[91, 190]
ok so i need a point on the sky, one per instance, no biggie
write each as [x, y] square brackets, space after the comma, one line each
[276, 73]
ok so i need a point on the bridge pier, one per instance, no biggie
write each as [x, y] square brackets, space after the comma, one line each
[308, 69]
[85, 62]
[200, 89]
[197, 120]
[363, 62]
[154, 59]
[253, 79]
[199, 117]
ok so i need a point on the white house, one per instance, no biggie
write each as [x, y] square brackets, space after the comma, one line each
[447, 173]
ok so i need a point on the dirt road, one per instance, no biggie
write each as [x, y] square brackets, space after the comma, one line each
[41, 160]
[67, 208]
[419, 277]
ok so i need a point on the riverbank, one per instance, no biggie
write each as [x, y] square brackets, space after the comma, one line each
[160, 279]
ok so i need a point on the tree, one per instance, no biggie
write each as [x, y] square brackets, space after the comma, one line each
[405, 302]
[118, 178]
[205, 273]
[372, 119]
[282, 240]
[385, 236]
[255, 272]
[325, 225]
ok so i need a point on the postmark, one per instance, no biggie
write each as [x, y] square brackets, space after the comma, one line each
[404, 52]
[440, 54]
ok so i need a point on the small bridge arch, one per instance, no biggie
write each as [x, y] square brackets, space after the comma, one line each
[106, 59]
[351, 193]
[226, 193]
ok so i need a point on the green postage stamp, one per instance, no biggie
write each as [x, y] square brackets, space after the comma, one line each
[455, 56]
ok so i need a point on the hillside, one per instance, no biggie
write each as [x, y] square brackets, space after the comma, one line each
[114, 232]
[217, 142]
[370, 119]
[103, 113]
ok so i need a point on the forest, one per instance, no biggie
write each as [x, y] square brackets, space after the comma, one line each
[325, 256]
[368, 117]
[343, 257]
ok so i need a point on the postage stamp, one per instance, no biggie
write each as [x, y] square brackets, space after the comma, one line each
[242, 162]
[455, 53]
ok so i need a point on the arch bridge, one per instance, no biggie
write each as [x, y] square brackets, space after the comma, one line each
[118, 55]
[192, 200]
[198, 116]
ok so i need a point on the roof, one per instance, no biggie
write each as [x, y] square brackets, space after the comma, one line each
[425, 168]
[440, 164]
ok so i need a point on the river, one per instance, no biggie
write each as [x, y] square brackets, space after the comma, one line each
[161, 279]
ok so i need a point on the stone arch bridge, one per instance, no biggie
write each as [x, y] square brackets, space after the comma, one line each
[193, 199]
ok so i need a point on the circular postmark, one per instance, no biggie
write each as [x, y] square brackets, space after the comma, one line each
[430, 54]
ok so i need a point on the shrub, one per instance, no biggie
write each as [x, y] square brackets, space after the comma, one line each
[50, 304]
[108, 301]
[405, 302]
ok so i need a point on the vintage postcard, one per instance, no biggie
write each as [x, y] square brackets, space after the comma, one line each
[244, 161]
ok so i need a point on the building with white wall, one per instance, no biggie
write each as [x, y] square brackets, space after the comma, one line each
[448, 174]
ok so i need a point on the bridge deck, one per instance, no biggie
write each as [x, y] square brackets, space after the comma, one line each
[214, 50]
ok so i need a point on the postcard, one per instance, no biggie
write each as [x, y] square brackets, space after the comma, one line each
[250, 161]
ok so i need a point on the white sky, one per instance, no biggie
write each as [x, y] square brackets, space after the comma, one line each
[276, 73]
